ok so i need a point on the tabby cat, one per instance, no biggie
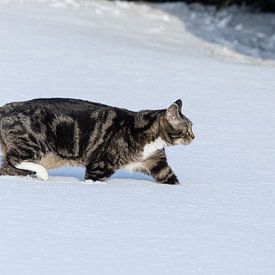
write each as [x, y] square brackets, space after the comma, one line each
[41, 134]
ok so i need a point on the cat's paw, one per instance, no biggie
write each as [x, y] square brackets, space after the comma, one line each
[40, 171]
[171, 182]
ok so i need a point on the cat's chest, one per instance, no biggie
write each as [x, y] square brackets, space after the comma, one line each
[148, 150]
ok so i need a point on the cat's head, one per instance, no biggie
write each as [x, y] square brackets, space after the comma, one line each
[177, 127]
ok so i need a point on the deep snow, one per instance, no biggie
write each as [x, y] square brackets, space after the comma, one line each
[219, 221]
[239, 28]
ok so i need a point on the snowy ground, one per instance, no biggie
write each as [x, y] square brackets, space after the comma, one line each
[219, 221]
[240, 29]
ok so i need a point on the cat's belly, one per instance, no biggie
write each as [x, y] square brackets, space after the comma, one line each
[52, 161]
[133, 167]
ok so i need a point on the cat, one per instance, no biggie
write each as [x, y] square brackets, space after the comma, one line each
[41, 134]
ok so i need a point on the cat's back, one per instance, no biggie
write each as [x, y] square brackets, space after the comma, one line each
[61, 126]
[52, 108]
[55, 105]
[54, 113]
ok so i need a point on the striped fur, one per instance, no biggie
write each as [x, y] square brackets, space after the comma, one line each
[47, 133]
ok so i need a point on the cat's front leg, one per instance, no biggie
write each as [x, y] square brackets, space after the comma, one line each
[157, 167]
[163, 174]
[98, 172]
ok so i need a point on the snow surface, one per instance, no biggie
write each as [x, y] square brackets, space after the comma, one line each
[240, 29]
[219, 221]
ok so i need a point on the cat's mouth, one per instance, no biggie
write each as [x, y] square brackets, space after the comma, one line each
[184, 141]
[187, 141]
[189, 137]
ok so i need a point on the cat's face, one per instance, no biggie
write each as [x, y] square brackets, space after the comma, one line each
[177, 127]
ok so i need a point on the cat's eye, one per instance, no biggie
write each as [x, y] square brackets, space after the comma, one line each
[177, 134]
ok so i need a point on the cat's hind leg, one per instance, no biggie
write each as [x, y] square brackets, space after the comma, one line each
[22, 162]
[21, 149]
[8, 170]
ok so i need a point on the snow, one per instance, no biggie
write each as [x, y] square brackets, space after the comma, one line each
[240, 29]
[220, 220]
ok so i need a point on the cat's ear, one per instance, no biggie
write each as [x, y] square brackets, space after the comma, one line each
[179, 104]
[173, 112]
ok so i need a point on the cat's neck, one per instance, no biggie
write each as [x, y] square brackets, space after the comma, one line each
[152, 147]
[149, 126]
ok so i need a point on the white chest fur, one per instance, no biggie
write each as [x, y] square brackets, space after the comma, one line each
[150, 148]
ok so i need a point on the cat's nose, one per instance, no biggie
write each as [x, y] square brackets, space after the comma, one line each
[191, 134]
